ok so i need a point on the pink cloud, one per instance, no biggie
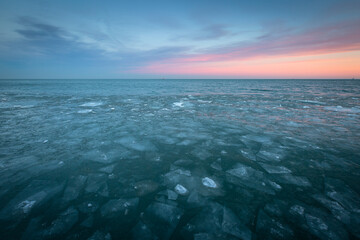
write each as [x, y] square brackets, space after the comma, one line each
[330, 39]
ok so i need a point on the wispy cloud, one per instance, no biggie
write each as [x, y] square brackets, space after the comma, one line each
[37, 30]
[45, 38]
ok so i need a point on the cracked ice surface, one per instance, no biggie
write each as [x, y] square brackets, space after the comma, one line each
[149, 159]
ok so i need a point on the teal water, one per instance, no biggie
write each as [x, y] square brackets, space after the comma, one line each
[179, 159]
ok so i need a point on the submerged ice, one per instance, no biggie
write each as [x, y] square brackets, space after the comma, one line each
[180, 160]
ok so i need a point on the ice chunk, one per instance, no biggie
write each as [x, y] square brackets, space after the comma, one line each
[142, 232]
[196, 200]
[317, 222]
[184, 162]
[322, 230]
[119, 207]
[271, 155]
[26, 206]
[247, 153]
[178, 104]
[180, 189]
[246, 176]
[145, 187]
[183, 172]
[88, 222]
[85, 111]
[172, 195]
[276, 208]
[219, 221]
[162, 219]
[208, 182]
[97, 184]
[100, 236]
[205, 236]
[274, 169]
[137, 145]
[108, 169]
[343, 194]
[172, 178]
[74, 187]
[294, 180]
[268, 228]
[232, 225]
[342, 109]
[36, 195]
[335, 208]
[99, 157]
[201, 153]
[91, 104]
[186, 142]
[63, 223]
[297, 210]
[216, 165]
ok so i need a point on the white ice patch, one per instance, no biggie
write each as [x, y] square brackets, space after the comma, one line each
[26, 205]
[208, 182]
[275, 169]
[180, 189]
[178, 104]
[183, 172]
[91, 104]
[342, 109]
[85, 111]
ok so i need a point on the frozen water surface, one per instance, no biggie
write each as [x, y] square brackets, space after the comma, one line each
[179, 159]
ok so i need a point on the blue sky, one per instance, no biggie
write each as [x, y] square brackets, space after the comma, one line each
[179, 39]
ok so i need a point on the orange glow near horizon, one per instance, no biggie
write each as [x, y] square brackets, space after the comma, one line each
[336, 65]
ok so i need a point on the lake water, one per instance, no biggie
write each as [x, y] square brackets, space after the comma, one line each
[179, 159]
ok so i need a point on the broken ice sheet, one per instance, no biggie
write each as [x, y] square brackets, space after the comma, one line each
[288, 153]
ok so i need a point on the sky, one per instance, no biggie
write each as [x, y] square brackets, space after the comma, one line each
[179, 39]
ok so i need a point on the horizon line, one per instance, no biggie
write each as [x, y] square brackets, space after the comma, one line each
[179, 78]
